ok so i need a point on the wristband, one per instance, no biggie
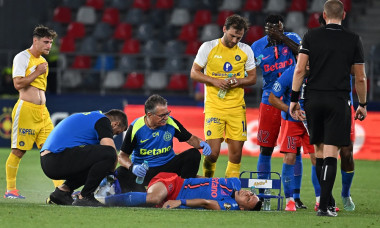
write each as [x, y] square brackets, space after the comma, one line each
[183, 202]
[295, 96]
[363, 104]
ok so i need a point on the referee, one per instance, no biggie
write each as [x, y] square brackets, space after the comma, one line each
[332, 52]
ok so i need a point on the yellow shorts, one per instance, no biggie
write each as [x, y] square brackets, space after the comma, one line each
[31, 124]
[228, 126]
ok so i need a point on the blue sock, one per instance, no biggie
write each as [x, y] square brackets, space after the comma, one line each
[288, 179]
[128, 199]
[346, 182]
[298, 169]
[264, 165]
[314, 180]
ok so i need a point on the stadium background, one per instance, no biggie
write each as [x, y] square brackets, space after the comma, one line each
[115, 53]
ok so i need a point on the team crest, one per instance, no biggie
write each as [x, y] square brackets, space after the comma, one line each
[237, 57]
[208, 133]
[227, 206]
[21, 143]
[170, 187]
[285, 51]
[276, 86]
[167, 136]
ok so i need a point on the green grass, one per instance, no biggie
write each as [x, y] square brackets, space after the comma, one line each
[33, 212]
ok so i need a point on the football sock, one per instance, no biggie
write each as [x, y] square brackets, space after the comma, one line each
[11, 167]
[232, 170]
[58, 182]
[314, 180]
[264, 165]
[208, 168]
[327, 182]
[128, 199]
[298, 169]
[318, 167]
[288, 179]
[346, 182]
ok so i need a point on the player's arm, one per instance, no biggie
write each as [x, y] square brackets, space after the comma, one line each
[126, 149]
[21, 82]
[277, 103]
[298, 77]
[105, 133]
[361, 91]
[195, 203]
[246, 81]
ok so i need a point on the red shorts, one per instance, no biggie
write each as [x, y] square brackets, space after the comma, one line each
[293, 135]
[172, 182]
[352, 133]
[269, 125]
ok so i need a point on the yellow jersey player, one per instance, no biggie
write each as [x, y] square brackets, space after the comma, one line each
[31, 121]
[224, 62]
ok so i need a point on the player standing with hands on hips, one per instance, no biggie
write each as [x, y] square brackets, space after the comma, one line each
[331, 51]
[225, 117]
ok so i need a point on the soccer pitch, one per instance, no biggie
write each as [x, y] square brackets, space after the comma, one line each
[33, 212]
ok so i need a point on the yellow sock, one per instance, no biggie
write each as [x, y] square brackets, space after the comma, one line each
[208, 168]
[233, 170]
[11, 167]
[58, 182]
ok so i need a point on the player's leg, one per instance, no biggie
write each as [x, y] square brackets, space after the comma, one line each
[46, 127]
[11, 168]
[214, 134]
[315, 181]
[288, 180]
[236, 135]
[298, 170]
[268, 130]
[347, 170]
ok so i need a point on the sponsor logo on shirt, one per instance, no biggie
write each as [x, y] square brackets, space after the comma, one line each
[142, 141]
[218, 56]
[277, 66]
[155, 151]
[227, 67]
[224, 74]
[214, 187]
[212, 120]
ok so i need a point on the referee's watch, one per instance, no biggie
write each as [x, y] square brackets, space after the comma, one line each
[363, 104]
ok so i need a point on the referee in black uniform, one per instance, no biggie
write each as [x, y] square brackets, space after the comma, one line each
[332, 52]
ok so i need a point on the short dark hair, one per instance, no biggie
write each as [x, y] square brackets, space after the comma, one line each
[152, 102]
[274, 19]
[117, 115]
[41, 31]
[334, 9]
[258, 205]
[237, 22]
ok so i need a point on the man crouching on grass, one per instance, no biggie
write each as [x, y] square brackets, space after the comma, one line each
[168, 190]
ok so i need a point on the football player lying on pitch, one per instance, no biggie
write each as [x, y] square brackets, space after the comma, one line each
[168, 190]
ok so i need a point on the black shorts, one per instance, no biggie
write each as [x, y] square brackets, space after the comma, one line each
[328, 117]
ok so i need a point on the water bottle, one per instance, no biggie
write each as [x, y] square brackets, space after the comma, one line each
[140, 180]
[222, 92]
[266, 205]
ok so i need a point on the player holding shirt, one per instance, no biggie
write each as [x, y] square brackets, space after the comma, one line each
[274, 53]
[150, 138]
[225, 118]
[171, 191]
[293, 136]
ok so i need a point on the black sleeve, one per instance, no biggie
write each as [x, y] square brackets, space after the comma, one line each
[182, 134]
[128, 145]
[103, 127]
[359, 56]
[305, 45]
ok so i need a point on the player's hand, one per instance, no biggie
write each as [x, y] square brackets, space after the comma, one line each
[139, 170]
[361, 113]
[295, 110]
[234, 82]
[273, 31]
[222, 84]
[41, 68]
[206, 148]
[171, 204]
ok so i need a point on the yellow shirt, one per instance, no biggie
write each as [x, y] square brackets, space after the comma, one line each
[218, 61]
[24, 63]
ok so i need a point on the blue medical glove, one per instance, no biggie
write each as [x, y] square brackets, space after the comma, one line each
[139, 170]
[206, 148]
